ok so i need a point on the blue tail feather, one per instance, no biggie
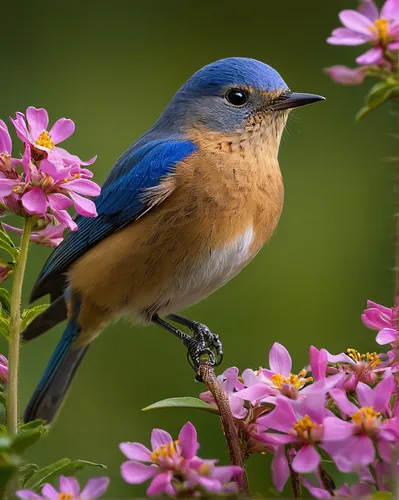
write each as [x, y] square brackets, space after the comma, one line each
[58, 375]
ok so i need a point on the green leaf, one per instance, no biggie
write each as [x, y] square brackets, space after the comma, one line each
[184, 402]
[8, 246]
[7, 469]
[64, 467]
[26, 471]
[378, 94]
[5, 327]
[34, 424]
[30, 314]
[26, 439]
[382, 495]
[5, 300]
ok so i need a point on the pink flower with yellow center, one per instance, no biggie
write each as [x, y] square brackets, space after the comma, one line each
[384, 319]
[368, 25]
[32, 130]
[174, 468]
[69, 490]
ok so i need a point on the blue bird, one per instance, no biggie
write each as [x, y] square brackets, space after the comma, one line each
[183, 210]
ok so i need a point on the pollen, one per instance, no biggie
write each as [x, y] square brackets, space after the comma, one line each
[365, 416]
[295, 380]
[44, 140]
[380, 28]
[164, 451]
[304, 426]
[371, 358]
[77, 175]
[205, 469]
[65, 496]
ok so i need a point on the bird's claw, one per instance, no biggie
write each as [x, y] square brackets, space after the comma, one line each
[204, 346]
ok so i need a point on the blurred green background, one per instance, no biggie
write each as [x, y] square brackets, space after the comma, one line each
[112, 67]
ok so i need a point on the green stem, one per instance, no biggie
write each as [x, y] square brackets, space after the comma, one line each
[15, 326]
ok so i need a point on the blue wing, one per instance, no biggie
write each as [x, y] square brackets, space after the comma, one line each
[120, 202]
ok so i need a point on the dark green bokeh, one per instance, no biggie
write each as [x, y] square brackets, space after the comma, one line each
[112, 67]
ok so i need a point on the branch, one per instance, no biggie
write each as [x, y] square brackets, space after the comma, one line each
[208, 376]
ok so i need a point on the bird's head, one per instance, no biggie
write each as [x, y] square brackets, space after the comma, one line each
[236, 96]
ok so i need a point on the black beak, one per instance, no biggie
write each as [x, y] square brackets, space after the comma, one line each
[291, 100]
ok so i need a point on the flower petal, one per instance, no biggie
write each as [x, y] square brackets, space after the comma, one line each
[162, 483]
[61, 130]
[390, 10]
[372, 56]
[356, 22]
[280, 360]
[360, 451]
[95, 487]
[382, 393]
[83, 206]
[29, 495]
[343, 36]
[34, 201]
[37, 120]
[21, 128]
[160, 437]
[64, 218]
[82, 186]
[282, 418]
[5, 139]
[386, 336]
[136, 451]
[306, 460]
[69, 485]
[336, 429]
[59, 201]
[48, 491]
[280, 469]
[6, 186]
[188, 443]
[136, 472]
[342, 401]
[345, 75]
[369, 9]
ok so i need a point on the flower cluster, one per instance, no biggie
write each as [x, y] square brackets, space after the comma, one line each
[174, 467]
[368, 25]
[47, 180]
[341, 406]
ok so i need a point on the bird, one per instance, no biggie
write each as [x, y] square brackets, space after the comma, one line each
[182, 211]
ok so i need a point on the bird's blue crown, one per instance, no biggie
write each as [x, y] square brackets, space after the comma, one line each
[240, 71]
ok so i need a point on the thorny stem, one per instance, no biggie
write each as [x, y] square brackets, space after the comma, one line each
[327, 480]
[15, 327]
[208, 376]
[296, 485]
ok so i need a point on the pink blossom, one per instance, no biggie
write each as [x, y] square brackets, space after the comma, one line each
[50, 236]
[383, 319]
[368, 25]
[69, 489]
[174, 460]
[357, 490]
[366, 427]
[5, 270]
[346, 76]
[33, 131]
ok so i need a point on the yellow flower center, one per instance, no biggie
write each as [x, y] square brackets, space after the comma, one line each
[365, 416]
[205, 469]
[304, 426]
[380, 28]
[44, 140]
[294, 380]
[371, 358]
[164, 451]
[65, 496]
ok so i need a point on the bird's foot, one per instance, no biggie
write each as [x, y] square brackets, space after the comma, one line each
[203, 347]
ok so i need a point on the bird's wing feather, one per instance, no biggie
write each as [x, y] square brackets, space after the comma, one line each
[121, 202]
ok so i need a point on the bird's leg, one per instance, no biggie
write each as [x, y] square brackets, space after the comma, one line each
[196, 345]
[202, 332]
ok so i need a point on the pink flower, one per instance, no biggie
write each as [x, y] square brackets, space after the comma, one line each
[368, 426]
[357, 490]
[69, 490]
[346, 76]
[368, 25]
[384, 319]
[276, 380]
[50, 236]
[3, 369]
[174, 466]
[43, 142]
[5, 270]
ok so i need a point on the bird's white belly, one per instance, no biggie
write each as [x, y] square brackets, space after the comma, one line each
[210, 272]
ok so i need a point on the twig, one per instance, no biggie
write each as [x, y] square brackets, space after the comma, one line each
[327, 480]
[296, 485]
[208, 376]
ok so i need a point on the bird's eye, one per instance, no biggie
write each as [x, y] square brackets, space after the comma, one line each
[236, 97]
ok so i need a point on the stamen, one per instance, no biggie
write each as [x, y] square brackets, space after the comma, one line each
[303, 426]
[380, 28]
[65, 496]
[365, 416]
[164, 451]
[44, 140]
